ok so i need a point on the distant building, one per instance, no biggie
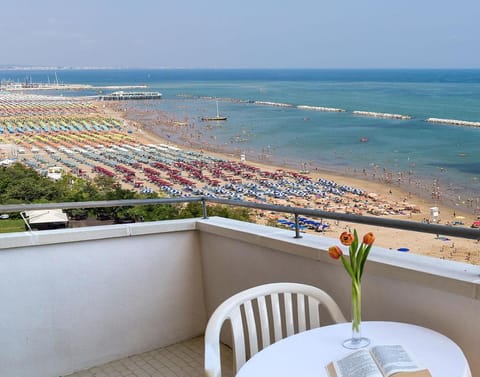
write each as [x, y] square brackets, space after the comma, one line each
[8, 151]
[7, 162]
[46, 219]
[55, 172]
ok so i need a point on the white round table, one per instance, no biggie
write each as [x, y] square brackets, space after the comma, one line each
[307, 354]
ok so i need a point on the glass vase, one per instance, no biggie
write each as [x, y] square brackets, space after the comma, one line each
[356, 341]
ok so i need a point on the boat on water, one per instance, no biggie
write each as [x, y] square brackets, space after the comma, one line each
[218, 117]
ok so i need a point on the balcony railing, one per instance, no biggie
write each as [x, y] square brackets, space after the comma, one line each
[462, 232]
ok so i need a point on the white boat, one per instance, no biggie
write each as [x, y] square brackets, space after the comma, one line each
[218, 117]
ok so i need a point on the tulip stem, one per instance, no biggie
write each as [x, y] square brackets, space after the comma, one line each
[356, 306]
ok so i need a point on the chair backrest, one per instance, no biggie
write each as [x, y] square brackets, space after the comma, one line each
[278, 310]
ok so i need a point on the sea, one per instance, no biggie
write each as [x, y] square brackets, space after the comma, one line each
[265, 123]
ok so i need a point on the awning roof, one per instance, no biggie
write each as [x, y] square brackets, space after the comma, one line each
[46, 216]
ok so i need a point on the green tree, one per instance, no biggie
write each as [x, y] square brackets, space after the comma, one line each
[104, 183]
[195, 210]
[19, 183]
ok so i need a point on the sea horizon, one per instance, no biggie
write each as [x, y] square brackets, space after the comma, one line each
[13, 67]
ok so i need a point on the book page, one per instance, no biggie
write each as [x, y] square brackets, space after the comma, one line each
[358, 364]
[393, 359]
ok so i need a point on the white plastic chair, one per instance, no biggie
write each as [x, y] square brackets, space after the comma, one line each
[291, 308]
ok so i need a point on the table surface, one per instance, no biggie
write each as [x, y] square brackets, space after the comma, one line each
[306, 354]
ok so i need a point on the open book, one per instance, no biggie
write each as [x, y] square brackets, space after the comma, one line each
[379, 361]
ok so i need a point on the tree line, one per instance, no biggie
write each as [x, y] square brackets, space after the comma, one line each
[23, 185]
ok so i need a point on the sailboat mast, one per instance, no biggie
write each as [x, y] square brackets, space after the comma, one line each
[218, 117]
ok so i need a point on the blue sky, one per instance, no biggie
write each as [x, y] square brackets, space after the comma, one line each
[241, 33]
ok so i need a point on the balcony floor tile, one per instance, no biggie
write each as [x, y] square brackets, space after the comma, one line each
[178, 360]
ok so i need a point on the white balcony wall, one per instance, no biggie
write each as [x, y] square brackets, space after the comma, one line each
[77, 298]
[72, 299]
[438, 294]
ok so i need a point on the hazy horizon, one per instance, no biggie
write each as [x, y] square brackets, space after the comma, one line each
[306, 34]
[11, 67]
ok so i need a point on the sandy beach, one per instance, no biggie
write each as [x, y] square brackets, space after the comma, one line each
[380, 196]
[101, 138]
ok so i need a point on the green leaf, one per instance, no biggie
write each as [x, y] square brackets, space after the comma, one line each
[358, 260]
[353, 251]
[364, 259]
[354, 244]
[347, 266]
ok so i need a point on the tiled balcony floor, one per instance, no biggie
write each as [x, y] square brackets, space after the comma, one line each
[178, 360]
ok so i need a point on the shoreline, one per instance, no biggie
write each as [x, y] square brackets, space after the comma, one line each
[426, 244]
[427, 183]
[191, 136]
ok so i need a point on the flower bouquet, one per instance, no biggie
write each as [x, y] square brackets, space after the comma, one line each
[354, 265]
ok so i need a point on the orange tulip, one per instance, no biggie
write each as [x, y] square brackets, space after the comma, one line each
[346, 238]
[368, 238]
[335, 252]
